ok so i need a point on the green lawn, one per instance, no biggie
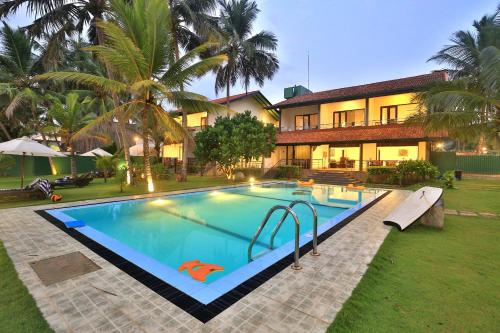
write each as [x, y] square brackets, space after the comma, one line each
[99, 189]
[425, 280]
[18, 311]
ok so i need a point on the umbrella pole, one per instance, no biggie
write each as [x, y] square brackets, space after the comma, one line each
[22, 170]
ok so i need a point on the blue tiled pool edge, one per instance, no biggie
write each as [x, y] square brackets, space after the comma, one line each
[200, 300]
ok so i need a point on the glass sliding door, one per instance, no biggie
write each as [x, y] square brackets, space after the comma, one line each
[388, 114]
[306, 121]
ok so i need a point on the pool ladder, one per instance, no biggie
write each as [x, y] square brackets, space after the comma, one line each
[288, 211]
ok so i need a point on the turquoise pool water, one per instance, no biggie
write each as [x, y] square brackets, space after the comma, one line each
[214, 227]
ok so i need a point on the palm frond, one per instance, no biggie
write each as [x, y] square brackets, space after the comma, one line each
[89, 80]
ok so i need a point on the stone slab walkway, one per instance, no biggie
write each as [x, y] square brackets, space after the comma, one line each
[109, 300]
[470, 213]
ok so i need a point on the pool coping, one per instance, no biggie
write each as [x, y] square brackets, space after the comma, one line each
[215, 304]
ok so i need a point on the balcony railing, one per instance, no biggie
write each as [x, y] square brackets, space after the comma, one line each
[344, 125]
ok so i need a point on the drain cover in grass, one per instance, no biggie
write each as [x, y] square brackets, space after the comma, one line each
[62, 268]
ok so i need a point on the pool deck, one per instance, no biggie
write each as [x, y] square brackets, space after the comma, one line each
[109, 300]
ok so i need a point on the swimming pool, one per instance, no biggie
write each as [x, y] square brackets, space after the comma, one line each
[197, 242]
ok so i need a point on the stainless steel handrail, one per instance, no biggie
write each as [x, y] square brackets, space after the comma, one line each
[288, 210]
[315, 225]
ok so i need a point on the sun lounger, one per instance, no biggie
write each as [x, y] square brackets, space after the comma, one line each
[79, 181]
[414, 207]
[37, 189]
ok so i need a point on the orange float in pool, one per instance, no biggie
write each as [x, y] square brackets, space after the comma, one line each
[310, 182]
[198, 270]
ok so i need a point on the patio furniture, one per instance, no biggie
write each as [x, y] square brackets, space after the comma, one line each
[25, 146]
[80, 181]
[375, 163]
[333, 164]
[424, 203]
[37, 189]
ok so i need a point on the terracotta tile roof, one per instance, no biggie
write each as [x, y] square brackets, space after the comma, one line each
[366, 90]
[233, 98]
[356, 134]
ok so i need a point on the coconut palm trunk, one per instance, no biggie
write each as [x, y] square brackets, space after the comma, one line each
[185, 142]
[228, 93]
[74, 173]
[121, 122]
[145, 149]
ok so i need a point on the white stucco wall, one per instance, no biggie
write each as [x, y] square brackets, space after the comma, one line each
[288, 115]
[247, 103]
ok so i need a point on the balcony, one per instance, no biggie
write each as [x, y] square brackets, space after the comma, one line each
[344, 125]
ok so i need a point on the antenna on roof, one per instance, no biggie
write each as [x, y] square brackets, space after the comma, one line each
[308, 70]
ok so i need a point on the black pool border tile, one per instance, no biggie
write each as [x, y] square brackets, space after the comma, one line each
[200, 311]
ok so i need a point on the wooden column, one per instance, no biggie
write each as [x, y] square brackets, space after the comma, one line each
[367, 110]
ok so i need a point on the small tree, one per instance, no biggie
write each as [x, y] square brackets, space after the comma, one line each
[252, 137]
[121, 176]
[106, 164]
[231, 140]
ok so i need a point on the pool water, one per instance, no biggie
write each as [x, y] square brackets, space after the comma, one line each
[214, 227]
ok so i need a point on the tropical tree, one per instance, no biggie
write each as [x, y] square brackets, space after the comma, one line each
[191, 24]
[468, 105]
[18, 64]
[252, 138]
[138, 49]
[249, 56]
[58, 18]
[70, 116]
[232, 140]
[106, 164]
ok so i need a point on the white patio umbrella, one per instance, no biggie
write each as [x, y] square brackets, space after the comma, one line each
[97, 152]
[25, 146]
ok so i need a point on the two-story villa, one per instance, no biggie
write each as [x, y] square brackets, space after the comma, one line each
[253, 101]
[354, 127]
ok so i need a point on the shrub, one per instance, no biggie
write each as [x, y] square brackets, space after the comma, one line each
[380, 170]
[406, 172]
[159, 171]
[381, 174]
[288, 171]
[121, 176]
[411, 171]
[250, 172]
[7, 162]
[448, 179]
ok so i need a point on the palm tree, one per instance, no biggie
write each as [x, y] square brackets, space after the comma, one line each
[58, 18]
[191, 24]
[106, 164]
[462, 56]
[468, 106]
[69, 117]
[138, 47]
[18, 64]
[249, 57]
[61, 19]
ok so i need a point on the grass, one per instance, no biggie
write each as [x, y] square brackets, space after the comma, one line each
[426, 280]
[477, 195]
[98, 189]
[18, 311]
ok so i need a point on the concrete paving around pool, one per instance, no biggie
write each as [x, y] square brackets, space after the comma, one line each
[109, 300]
